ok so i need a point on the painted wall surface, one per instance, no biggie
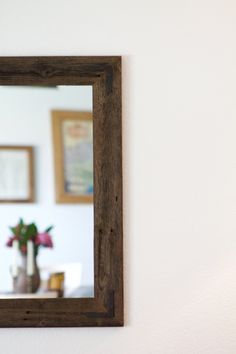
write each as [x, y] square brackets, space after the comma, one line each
[179, 128]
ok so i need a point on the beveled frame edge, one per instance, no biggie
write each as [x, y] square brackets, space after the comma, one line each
[58, 116]
[106, 308]
[30, 151]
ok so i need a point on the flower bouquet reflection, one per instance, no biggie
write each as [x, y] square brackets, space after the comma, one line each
[26, 242]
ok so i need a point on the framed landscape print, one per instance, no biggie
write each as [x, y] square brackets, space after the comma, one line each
[16, 174]
[73, 152]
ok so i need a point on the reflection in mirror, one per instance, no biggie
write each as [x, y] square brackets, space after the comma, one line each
[46, 192]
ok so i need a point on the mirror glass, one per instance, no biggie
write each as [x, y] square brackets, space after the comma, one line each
[46, 192]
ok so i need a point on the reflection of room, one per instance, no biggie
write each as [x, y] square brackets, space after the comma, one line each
[25, 119]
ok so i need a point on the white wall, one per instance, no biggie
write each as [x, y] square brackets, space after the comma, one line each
[25, 119]
[179, 166]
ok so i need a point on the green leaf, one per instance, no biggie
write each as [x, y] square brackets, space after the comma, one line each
[13, 230]
[31, 231]
[49, 228]
[21, 222]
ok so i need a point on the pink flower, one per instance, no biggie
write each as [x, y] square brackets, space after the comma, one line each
[10, 242]
[44, 239]
[23, 249]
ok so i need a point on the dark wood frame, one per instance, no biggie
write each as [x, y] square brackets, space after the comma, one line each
[58, 117]
[30, 151]
[106, 308]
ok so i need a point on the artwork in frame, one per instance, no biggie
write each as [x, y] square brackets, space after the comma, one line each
[16, 174]
[73, 152]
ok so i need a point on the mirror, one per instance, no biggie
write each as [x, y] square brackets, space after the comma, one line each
[61, 225]
[46, 180]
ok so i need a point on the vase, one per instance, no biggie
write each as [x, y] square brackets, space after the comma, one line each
[24, 284]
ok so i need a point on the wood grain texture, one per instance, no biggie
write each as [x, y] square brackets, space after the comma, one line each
[106, 308]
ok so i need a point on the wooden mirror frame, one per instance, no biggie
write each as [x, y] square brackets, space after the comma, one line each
[106, 308]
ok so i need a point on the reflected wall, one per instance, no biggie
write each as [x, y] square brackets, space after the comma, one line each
[26, 119]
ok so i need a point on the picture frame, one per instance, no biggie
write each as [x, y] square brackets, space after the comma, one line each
[73, 156]
[106, 308]
[16, 174]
